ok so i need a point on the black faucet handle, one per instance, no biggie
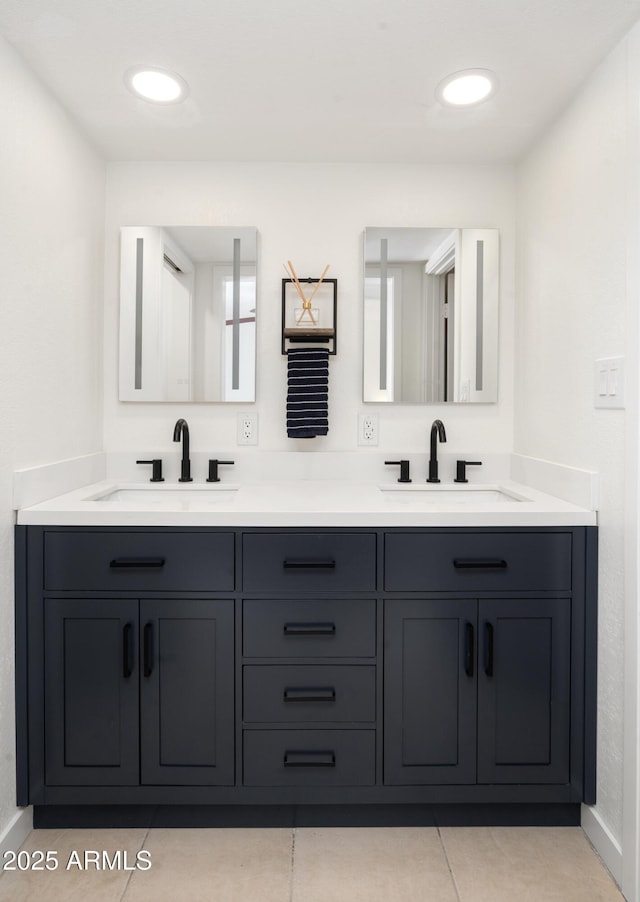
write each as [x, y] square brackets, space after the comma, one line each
[156, 473]
[461, 469]
[213, 469]
[404, 469]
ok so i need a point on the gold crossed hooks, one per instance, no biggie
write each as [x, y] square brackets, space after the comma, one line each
[306, 302]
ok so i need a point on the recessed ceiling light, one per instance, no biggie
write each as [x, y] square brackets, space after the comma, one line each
[155, 84]
[466, 87]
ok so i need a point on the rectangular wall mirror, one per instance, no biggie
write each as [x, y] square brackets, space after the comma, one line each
[430, 315]
[188, 313]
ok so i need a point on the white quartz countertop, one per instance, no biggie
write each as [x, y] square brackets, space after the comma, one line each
[306, 502]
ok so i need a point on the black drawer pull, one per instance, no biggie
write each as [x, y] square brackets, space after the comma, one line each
[309, 629]
[468, 649]
[310, 694]
[325, 564]
[309, 759]
[488, 649]
[128, 563]
[128, 654]
[148, 649]
[473, 563]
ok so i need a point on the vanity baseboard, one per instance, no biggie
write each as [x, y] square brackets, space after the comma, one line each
[203, 816]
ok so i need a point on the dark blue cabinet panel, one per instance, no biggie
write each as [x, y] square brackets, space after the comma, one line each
[309, 563]
[309, 692]
[471, 562]
[513, 655]
[311, 758]
[309, 628]
[138, 696]
[91, 692]
[524, 711]
[129, 561]
[430, 692]
[187, 715]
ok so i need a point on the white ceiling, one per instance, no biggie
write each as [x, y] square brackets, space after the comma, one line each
[315, 80]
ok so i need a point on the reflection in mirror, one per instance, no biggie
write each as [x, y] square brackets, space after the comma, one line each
[187, 313]
[430, 315]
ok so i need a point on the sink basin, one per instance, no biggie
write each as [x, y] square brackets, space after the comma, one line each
[423, 494]
[168, 495]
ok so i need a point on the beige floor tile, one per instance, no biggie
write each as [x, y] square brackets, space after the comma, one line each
[370, 865]
[71, 881]
[527, 864]
[215, 865]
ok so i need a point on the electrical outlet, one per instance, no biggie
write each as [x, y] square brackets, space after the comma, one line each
[368, 429]
[247, 429]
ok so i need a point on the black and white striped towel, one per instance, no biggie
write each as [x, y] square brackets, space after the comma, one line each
[307, 392]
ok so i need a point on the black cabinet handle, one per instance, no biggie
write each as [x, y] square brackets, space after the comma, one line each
[128, 653]
[128, 563]
[309, 759]
[292, 564]
[148, 649]
[310, 694]
[468, 649]
[472, 563]
[309, 629]
[488, 649]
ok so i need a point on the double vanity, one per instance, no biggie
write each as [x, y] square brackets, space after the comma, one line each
[306, 651]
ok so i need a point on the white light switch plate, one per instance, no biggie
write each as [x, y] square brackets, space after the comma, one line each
[609, 382]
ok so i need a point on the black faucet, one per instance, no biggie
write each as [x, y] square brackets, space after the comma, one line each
[437, 432]
[181, 430]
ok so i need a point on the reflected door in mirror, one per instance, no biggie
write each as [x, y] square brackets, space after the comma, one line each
[430, 315]
[188, 306]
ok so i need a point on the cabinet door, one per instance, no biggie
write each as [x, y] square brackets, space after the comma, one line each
[91, 692]
[524, 691]
[187, 686]
[430, 692]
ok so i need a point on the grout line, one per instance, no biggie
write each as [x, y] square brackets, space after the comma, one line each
[293, 852]
[130, 877]
[446, 858]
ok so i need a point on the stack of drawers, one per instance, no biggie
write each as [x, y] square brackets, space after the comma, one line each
[309, 652]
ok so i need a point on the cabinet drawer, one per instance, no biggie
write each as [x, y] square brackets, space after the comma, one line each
[309, 562]
[309, 757]
[162, 561]
[327, 628]
[320, 693]
[477, 562]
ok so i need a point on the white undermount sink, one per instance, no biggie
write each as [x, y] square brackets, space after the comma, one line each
[171, 494]
[433, 494]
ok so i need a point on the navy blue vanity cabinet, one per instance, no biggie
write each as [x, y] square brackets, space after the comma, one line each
[138, 692]
[131, 653]
[477, 691]
[321, 675]
[480, 689]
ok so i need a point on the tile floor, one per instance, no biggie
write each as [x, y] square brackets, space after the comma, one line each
[408, 864]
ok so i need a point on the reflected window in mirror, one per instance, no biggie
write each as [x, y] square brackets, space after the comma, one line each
[188, 305]
[430, 315]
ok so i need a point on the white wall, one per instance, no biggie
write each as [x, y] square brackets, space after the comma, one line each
[313, 215]
[576, 215]
[51, 259]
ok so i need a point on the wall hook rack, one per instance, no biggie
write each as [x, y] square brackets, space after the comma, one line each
[309, 308]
